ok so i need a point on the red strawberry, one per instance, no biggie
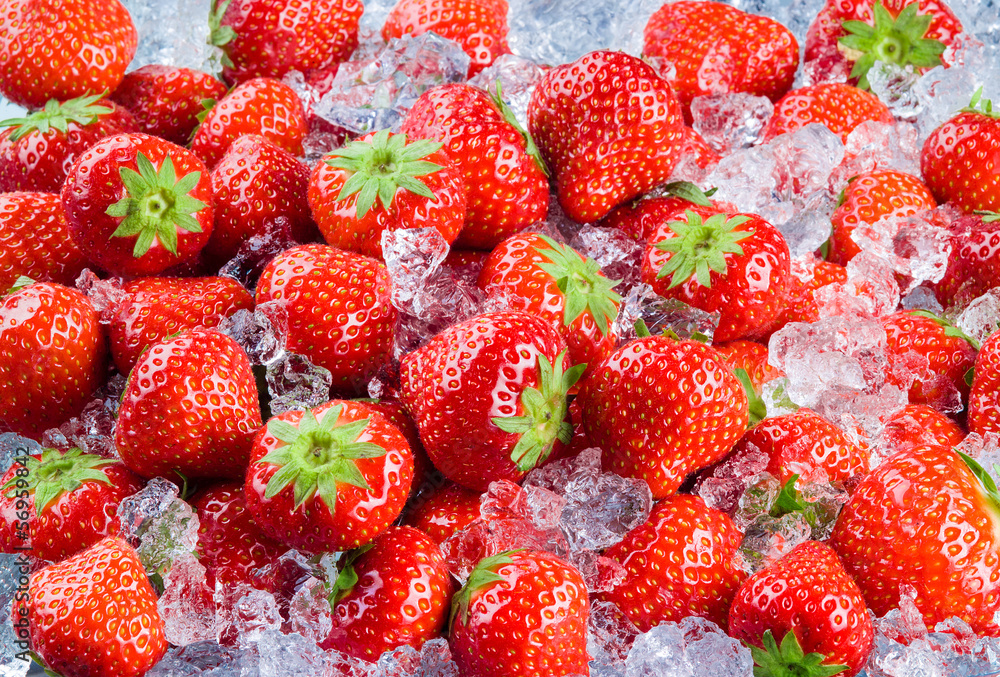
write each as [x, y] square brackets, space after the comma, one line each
[974, 264]
[704, 261]
[330, 478]
[37, 151]
[506, 181]
[608, 127]
[984, 395]
[751, 357]
[662, 581]
[95, 614]
[395, 413]
[521, 614]
[155, 308]
[449, 508]
[394, 592]
[811, 605]
[916, 425]
[63, 49]
[268, 38]
[479, 26]
[352, 332]
[53, 348]
[661, 409]
[839, 106]
[641, 219]
[259, 106]
[380, 182]
[808, 275]
[35, 241]
[488, 396]
[137, 205]
[71, 499]
[166, 100]
[189, 408]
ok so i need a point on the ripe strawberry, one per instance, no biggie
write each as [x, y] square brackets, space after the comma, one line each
[488, 396]
[506, 180]
[641, 219]
[661, 409]
[479, 26]
[396, 414]
[662, 582]
[984, 395]
[839, 106]
[95, 614]
[352, 332]
[156, 308]
[809, 601]
[934, 524]
[137, 205]
[166, 100]
[751, 357]
[259, 106]
[808, 275]
[37, 151]
[71, 499]
[380, 182]
[716, 49]
[449, 508]
[704, 261]
[395, 591]
[959, 159]
[330, 478]
[918, 424]
[189, 408]
[35, 241]
[974, 264]
[521, 614]
[608, 127]
[63, 49]
[53, 348]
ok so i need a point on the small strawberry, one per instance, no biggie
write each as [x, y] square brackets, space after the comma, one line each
[984, 395]
[918, 424]
[521, 614]
[837, 105]
[449, 508]
[808, 275]
[35, 240]
[642, 218]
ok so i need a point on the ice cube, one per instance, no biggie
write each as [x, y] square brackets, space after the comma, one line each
[136, 512]
[943, 93]
[661, 651]
[767, 539]
[92, 431]
[260, 333]
[922, 298]
[432, 660]
[106, 296]
[893, 85]
[244, 615]
[659, 314]
[618, 255]
[610, 635]
[914, 246]
[289, 655]
[730, 122]
[201, 658]
[187, 605]
[695, 647]
[172, 33]
[167, 537]
[294, 382]
[747, 178]
[309, 613]
[14, 446]
[517, 77]
[981, 318]
[256, 252]
[877, 145]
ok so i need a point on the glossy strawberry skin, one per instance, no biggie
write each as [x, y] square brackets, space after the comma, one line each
[959, 162]
[750, 356]
[918, 424]
[53, 347]
[808, 275]
[449, 508]
[974, 264]
[35, 240]
[984, 395]
[641, 219]
[190, 407]
[839, 106]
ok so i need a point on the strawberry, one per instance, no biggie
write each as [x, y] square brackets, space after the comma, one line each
[751, 357]
[393, 592]
[166, 100]
[974, 264]
[71, 499]
[267, 38]
[95, 614]
[984, 395]
[839, 106]
[330, 478]
[352, 332]
[918, 424]
[521, 614]
[506, 180]
[189, 408]
[931, 516]
[53, 347]
[137, 205]
[35, 241]
[37, 151]
[704, 261]
[662, 582]
[959, 160]
[449, 508]
[258, 106]
[808, 275]
[63, 49]
[479, 26]
[661, 409]
[395, 413]
[716, 49]
[809, 601]
[641, 219]
[556, 283]
[609, 128]
[488, 396]
[380, 182]
[155, 308]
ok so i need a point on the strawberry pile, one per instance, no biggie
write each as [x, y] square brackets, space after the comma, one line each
[616, 365]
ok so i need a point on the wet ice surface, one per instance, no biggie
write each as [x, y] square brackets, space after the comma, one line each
[136, 513]
[729, 122]
[660, 314]
[695, 647]
[172, 33]
[981, 318]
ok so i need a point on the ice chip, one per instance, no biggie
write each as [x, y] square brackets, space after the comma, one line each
[981, 318]
[618, 255]
[746, 178]
[106, 296]
[922, 297]
[244, 621]
[806, 158]
[659, 313]
[713, 652]
[201, 658]
[136, 512]
[12, 579]
[172, 33]
[258, 250]
[517, 78]
[767, 539]
[187, 605]
[92, 431]
[610, 635]
[294, 382]
[260, 333]
[14, 446]
[167, 537]
[289, 655]
[309, 613]
[661, 651]
[893, 85]
[731, 121]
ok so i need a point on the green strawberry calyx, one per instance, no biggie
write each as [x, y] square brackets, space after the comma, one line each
[757, 406]
[987, 216]
[949, 328]
[789, 660]
[898, 40]
[701, 247]
[484, 574]
[981, 106]
[544, 420]
[686, 190]
[219, 35]
[156, 204]
[342, 586]
[57, 115]
[57, 473]
[20, 283]
[582, 284]
[317, 456]
[381, 165]
[989, 485]
[529, 143]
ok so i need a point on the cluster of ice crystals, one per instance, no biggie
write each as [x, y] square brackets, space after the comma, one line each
[516, 78]
[610, 635]
[137, 512]
[981, 318]
[168, 536]
[914, 246]
[660, 314]
[187, 604]
[695, 647]
[93, 430]
[201, 658]
[245, 614]
[729, 122]
[310, 614]
[172, 33]
[432, 660]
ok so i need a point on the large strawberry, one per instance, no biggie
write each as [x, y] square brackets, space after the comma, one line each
[837, 105]
[609, 128]
[137, 205]
[521, 614]
[984, 395]
[63, 49]
[35, 241]
[329, 478]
